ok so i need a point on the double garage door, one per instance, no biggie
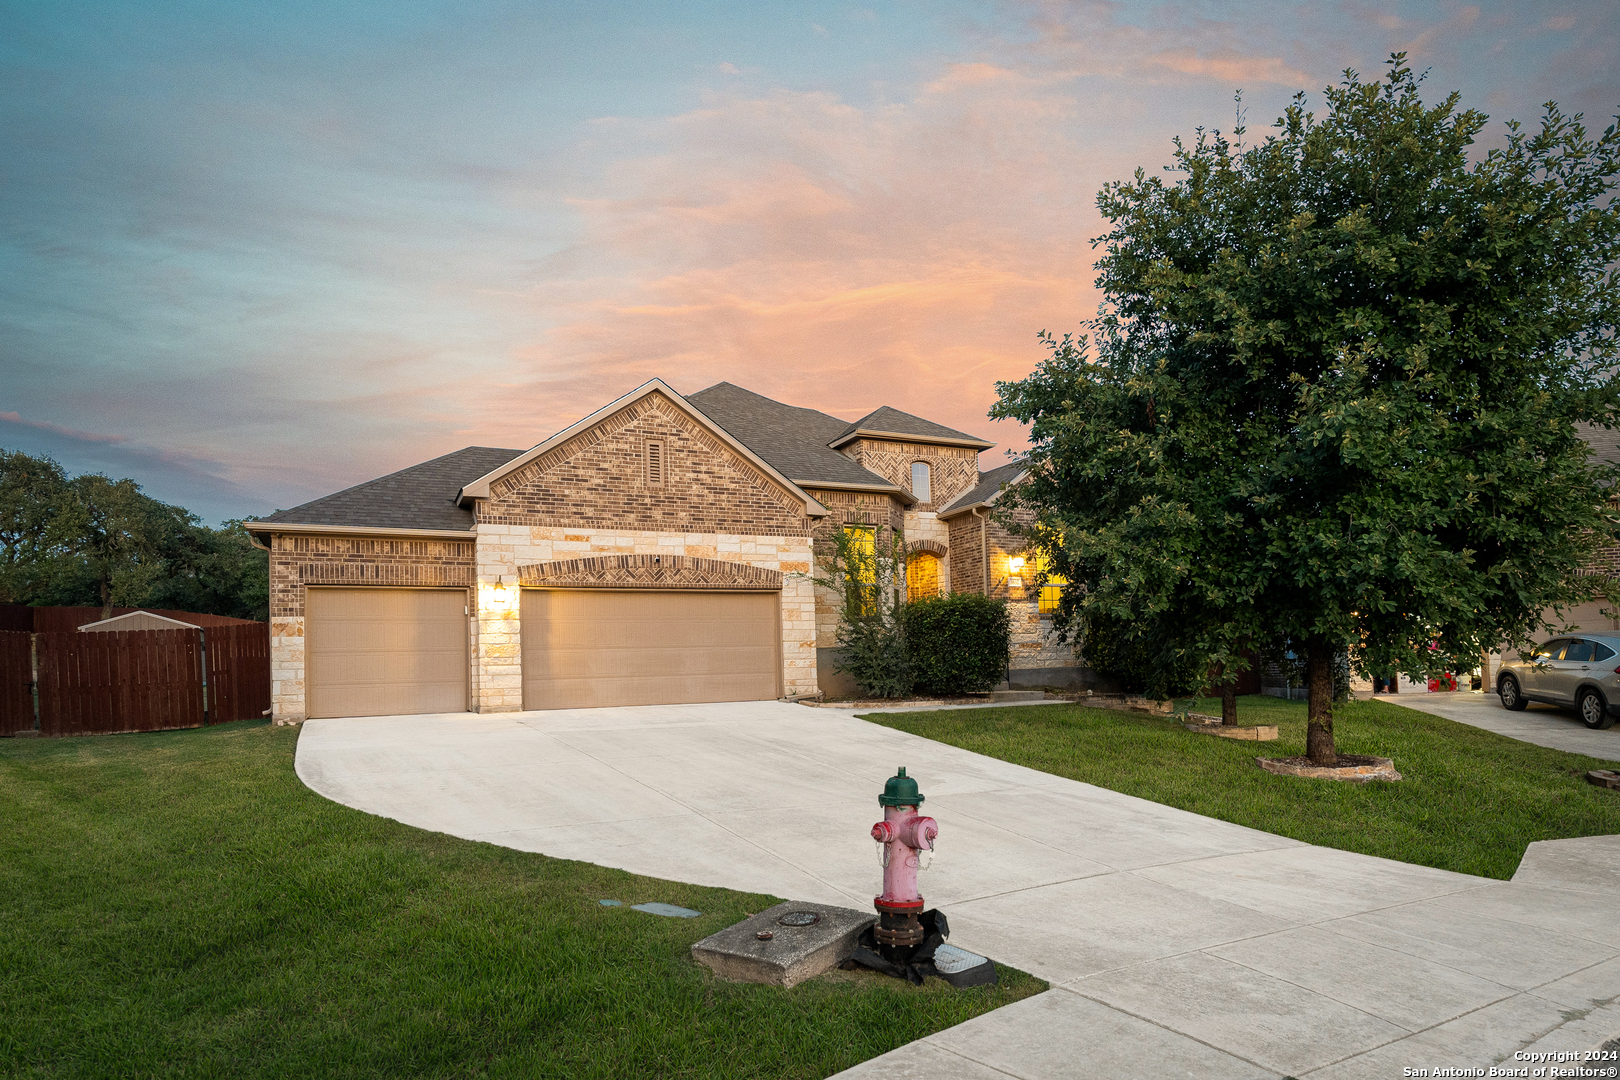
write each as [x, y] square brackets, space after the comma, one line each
[377, 652]
[584, 648]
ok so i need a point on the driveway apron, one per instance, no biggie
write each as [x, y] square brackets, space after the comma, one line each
[1176, 945]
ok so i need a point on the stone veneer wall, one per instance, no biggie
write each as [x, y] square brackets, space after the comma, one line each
[300, 560]
[502, 549]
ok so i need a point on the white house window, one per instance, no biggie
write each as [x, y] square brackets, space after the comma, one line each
[919, 481]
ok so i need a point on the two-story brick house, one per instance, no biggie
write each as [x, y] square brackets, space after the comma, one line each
[657, 551]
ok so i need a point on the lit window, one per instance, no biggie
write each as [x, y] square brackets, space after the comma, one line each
[922, 575]
[1051, 589]
[860, 566]
[919, 481]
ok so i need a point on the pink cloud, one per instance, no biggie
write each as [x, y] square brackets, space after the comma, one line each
[831, 256]
[1231, 68]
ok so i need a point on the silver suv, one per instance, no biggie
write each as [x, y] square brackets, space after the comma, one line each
[1582, 671]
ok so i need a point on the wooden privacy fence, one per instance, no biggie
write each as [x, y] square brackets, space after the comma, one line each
[136, 680]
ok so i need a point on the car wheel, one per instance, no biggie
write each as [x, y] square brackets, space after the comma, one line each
[1594, 710]
[1508, 688]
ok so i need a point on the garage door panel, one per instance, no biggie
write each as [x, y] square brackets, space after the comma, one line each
[588, 648]
[379, 652]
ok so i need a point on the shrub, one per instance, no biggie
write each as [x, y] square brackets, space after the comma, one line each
[1136, 664]
[873, 652]
[958, 642]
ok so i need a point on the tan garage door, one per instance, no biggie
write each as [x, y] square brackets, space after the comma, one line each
[584, 648]
[1592, 618]
[378, 652]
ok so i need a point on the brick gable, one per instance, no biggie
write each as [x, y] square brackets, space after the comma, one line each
[604, 477]
[954, 469]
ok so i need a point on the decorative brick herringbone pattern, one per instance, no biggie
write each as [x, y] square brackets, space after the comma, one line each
[649, 572]
[954, 469]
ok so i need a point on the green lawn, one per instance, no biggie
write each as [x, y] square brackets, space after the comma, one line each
[180, 905]
[1470, 801]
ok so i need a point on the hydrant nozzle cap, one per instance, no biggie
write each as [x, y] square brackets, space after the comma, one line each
[900, 790]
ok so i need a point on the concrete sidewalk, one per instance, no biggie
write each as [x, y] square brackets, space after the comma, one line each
[1176, 945]
[1544, 725]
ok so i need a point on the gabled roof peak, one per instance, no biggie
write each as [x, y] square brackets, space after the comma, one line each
[886, 422]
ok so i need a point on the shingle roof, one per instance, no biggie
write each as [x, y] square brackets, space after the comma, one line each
[792, 439]
[420, 497]
[988, 486]
[884, 418]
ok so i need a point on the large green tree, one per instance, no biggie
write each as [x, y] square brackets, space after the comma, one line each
[1337, 389]
[93, 540]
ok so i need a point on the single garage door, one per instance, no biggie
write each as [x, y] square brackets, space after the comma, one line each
[378, 652]
[584, 648]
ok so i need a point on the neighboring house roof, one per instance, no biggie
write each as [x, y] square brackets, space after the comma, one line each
[137, 620]
[478, 488]
[794, 440]
[1605, 442]
[420, 497]
[988, 489]
[885, 422]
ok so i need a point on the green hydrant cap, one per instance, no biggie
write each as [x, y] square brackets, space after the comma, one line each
[900, 790]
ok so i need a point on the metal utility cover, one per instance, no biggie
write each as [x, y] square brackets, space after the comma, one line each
[791, 954]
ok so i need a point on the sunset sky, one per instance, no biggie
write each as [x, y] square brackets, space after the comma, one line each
[253, 253]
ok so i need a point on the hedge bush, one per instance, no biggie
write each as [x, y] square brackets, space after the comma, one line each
[958, 643]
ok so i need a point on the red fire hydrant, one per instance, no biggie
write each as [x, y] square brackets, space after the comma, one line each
[903, 833]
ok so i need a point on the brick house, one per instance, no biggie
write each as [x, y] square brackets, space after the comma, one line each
[657, 551]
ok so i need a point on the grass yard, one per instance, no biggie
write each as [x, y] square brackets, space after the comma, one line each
[1471, 800]
[180, 905]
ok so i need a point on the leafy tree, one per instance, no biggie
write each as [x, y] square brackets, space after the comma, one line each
[865, 566]
[119, 537]
[1337, 390]
[32, 495]
[217, 572]
[93, 540]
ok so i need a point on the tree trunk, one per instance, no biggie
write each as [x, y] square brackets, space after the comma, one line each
[1319, 708]
[106, 599]
[1228, 688]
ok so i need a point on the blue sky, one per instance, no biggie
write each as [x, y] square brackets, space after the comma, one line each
[253, 253]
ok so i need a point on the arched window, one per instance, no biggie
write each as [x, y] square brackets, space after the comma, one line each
[922, 575]
[920, 481]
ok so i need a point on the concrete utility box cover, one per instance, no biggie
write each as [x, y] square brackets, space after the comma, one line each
[798, 948]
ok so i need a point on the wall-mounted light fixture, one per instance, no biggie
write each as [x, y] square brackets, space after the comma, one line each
[1015, 572]
[501, 595]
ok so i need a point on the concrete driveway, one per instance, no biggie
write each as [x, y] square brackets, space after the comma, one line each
[1544, 725]
[1176, 945]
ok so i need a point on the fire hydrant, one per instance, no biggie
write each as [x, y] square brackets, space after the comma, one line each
[903, 833]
